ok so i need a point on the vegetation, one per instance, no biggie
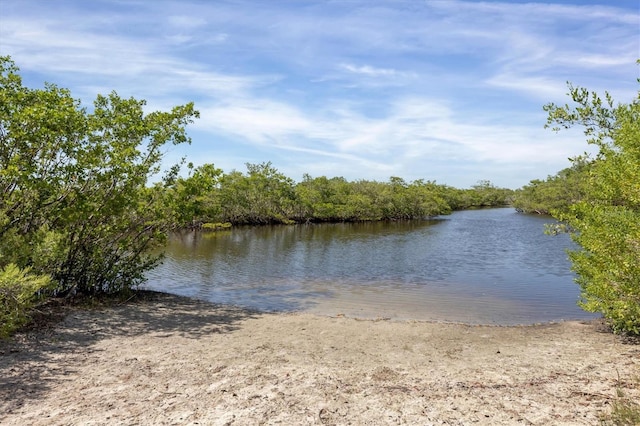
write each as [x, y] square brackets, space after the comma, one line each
[483, 194]
[263, 195]
[75, 208]
[605, 218]
[556, 193]
[625, 412]
[19, 290]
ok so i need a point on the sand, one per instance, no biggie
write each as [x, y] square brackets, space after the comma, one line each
[163, 359]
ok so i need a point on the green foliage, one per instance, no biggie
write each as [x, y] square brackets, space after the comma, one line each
[322, 199]
[625, 410]
[606, 221]
[194, 200]
[18, 293]
[483, 194]
[74, 201]
[556, 193]
[263, 195]
[216, 226]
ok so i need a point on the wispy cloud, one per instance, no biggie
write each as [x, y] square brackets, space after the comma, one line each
[445, 90]
[369, 70]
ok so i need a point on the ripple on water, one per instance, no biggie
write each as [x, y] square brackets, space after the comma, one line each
[492, 266]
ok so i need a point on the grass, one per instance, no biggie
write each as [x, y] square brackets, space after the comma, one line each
[625, 410]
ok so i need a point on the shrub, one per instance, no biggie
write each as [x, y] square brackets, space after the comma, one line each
[606, 222]
[19, 291]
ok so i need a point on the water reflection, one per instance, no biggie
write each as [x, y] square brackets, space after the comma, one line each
[482, 266]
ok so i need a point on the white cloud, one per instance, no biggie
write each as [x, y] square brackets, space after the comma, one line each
[343, 88]
[258, 121]
[545, 89]
[369, 70]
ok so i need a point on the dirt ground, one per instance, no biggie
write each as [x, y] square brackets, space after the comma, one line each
[165, 359]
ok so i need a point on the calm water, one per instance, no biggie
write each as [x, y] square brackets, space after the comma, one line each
[491, 266]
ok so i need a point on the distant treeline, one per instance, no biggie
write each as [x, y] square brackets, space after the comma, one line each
[262, 195]
[556, 193]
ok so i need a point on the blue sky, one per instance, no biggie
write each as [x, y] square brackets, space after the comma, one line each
[442, 90]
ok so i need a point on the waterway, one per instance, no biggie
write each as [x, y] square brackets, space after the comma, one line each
[489, 266]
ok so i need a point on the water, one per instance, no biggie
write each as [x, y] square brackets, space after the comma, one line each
[492, 266]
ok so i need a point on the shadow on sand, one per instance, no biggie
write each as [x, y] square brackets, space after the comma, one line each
[27, 370]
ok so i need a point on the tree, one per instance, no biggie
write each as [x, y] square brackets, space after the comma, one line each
[194, 200]
[606, 222]
[262, 196]
[557, 192]
[74, 201]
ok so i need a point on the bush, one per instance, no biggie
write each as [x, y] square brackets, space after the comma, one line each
[605, 223]
[75, 202]
[19, 291]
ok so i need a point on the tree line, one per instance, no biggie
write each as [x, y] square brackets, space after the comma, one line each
[262, 195]
[557, 192]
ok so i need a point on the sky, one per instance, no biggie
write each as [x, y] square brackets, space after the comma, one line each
[442, 90]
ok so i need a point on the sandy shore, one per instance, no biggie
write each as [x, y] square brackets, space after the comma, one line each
[172, 360]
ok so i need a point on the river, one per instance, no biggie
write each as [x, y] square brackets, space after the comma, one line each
[489, 266]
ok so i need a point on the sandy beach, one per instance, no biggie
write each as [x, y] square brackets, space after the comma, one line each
[163, 359]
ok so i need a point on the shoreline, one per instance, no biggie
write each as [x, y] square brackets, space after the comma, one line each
[151, 296]
[167, 359]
